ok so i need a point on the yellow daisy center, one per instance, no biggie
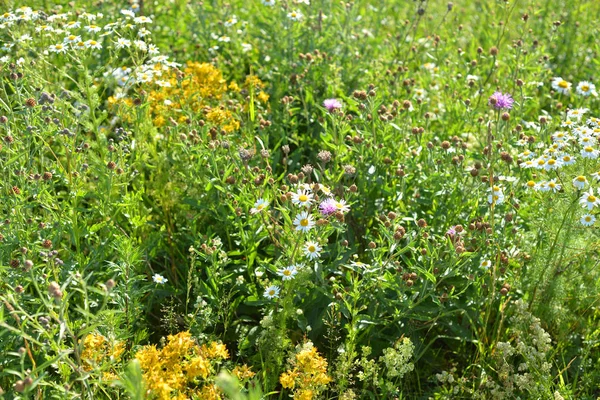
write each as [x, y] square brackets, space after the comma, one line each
[312, 248]
[303, 198]
[304, 222]
[563, 84]
[591, 198]
[588, 149]
[581, 178]
[531, 184]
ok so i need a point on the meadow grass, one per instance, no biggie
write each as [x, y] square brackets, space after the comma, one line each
[274, 199]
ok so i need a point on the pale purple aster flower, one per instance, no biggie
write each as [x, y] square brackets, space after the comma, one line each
[328, 206]
[332, 104]
[501, 101]
[451, 231]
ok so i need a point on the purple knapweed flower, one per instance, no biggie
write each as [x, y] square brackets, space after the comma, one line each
[501, 101]
[332, 104]
[328, 206]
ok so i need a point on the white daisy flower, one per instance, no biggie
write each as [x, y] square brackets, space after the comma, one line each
[57, 48]
[589, 152]
[269, 3]
[596, 176]
[586, 88]
[288, 273]
[157, 278]
[552, 185]
[231, 21]
[72, 39]
[496, 198]
[312, 250]
[142, 20]
[526, 155]
[589, 200]
[122, 43]
[93, 28]
[580, 181]
[420, 94]
[560, 85]
[527, 164]
[532, 185]
[225, 39]
[485, 264]
[44, 28]
[304, 222]
[587, 140]
[587, 220]
[576, 113]
[72, 24]
[341, 206]
[140, 44]
[272, 292]
[567, 159]
[92, 44]
[260, 205]
[302, 198]
[128, 13]
[552, 164]
[295, 15]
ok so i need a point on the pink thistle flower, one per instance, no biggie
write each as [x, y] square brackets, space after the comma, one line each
[328, 206]
[501, 101]
[332, 104]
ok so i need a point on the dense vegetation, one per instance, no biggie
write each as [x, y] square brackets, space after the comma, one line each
[299, 199]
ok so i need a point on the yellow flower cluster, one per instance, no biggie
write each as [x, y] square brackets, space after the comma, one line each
[198, 89]
[97, 349]
[309, 375]
[176, 370]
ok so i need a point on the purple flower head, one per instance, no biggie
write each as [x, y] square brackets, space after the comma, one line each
[332, 104]
[328, 207]
[501, 101]
[451, 231]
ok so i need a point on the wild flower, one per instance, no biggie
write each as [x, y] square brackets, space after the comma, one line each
[501, 101]
[580, 181]
[561, 86]
[308, 376]
[288, 273]
[588, 200]
[175, 370]
[295, 15]
[587, 220]
[157, 278]
[259, 206]
[304, 222]
[332, 104]
[302, 198]
[272, 292]
[312, 250]
[586, 88]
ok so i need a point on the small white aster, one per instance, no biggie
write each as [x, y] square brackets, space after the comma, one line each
[312, 250]
[272, 292]
[587, 220]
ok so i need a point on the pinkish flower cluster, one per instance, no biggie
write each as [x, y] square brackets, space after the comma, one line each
[328, 206]
[332, 104]
[501, 101]
[331, 206]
